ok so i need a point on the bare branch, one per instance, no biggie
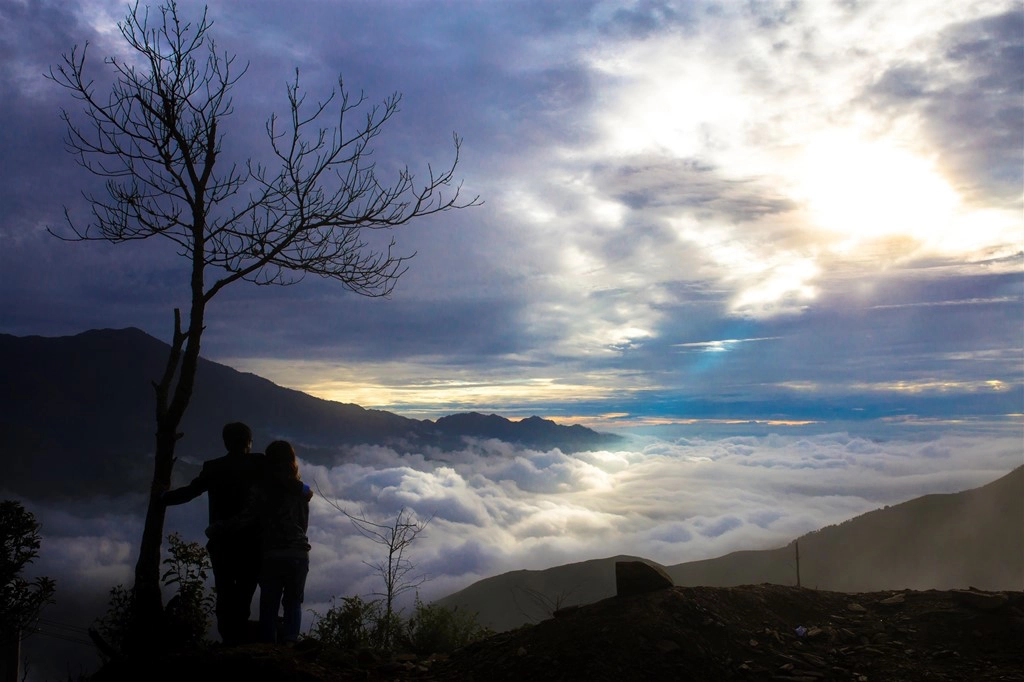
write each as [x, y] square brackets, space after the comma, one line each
[396, 570]
[155, 140]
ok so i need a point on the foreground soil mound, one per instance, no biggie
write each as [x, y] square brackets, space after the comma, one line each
[755, 632]
[764, 632]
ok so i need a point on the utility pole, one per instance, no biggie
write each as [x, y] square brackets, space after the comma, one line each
[797, 544]
[10, 656]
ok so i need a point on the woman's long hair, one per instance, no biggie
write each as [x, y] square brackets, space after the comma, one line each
[282, 465]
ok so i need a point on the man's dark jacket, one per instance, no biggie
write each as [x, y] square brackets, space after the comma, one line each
[280, 509]
[227, 480]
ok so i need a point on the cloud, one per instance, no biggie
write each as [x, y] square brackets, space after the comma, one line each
[492, 508]
[966, 96]
[644, 188]
[718, 527]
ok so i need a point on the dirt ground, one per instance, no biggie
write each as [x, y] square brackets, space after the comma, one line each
[758, 632]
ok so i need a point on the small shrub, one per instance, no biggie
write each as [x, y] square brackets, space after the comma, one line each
[114, 625]
[189, 612]
[434, 628]
[387, 630]
[348, 625]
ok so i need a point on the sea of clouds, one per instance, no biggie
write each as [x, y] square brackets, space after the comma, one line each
[492, 507]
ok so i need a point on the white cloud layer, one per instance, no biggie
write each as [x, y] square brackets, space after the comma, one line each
[493, 508]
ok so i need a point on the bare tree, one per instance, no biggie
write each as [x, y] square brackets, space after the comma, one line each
[537, 602]
[157, 139]
[396, 570]
[21, 599]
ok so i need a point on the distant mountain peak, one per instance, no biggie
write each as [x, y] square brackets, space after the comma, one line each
[532, 431]
[98, 384]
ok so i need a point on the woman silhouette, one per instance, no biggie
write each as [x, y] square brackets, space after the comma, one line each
[279, 506]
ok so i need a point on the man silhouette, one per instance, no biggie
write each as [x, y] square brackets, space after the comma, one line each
[235, 556]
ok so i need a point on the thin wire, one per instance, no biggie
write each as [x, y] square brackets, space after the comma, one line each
[63, 626]
[57, 635]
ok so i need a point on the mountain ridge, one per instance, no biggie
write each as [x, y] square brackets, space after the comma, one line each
[972, 538]
[97, 386]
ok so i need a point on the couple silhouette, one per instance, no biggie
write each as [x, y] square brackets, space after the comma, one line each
[259, 516]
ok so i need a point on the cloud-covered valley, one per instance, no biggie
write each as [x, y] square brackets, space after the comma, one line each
[494, 508]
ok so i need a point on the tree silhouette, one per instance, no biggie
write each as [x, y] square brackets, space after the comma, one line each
[396, 570]
[157, 140]
[20, 599]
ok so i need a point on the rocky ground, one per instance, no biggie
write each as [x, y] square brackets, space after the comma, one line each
[759, 632]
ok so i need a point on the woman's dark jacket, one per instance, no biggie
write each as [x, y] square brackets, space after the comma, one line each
[280, 510]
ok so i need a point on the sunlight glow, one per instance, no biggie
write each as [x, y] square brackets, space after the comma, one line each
[786, 284]
[531, 207]
[934, 386]
[920, 386]
[423, 387]
[722, 345]
[453, 393]
[626, 337]
[655, 111]
[863, 190]
[766, 284]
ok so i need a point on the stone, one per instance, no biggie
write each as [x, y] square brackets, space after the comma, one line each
[984, 601]
[667, 646]
[639, 577]
[565, 611]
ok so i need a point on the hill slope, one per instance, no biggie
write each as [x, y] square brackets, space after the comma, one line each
[506, 601]
[971, 538]
[77, 416]
[681, 633]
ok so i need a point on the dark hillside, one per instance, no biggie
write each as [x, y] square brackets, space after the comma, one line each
[971, 538]
[704, 634]
[506, 601]
[77, 416]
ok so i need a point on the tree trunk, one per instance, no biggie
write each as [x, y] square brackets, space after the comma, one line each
[10, 659]
[148, 599]
[170, 408]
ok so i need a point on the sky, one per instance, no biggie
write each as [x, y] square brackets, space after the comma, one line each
[762, 210]
[781, 244]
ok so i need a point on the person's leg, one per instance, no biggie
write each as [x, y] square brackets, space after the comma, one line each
[249, 571]
[294, 594]
[271, 587]
[239, 569]
[224, 583]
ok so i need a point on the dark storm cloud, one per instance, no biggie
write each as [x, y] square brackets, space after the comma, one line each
[774, 13]
[688, 185]
[484, 70]
[32, 36]
[648, 17]
[465, 331]
[970, 95]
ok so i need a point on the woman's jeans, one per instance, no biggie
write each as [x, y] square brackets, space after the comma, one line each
[283, 579]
